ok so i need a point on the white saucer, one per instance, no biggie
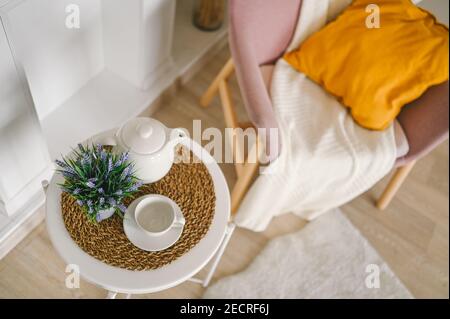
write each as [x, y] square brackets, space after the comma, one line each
[142, 240]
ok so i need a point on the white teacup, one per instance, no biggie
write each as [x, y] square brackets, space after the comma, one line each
[156, 214]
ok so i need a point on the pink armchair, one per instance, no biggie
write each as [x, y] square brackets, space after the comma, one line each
[259, 33]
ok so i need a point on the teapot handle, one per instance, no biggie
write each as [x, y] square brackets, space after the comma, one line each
[176, 135]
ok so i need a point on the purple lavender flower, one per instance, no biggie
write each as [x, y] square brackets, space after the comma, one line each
[119, 192]
[103, 155]
[110, 165]
[135, 186]
[70, 170]
[125, 173]
[90, 184]
[76, 191]
[112, 201]
[68, 174]
[86, 160]
[124, 157]
[101, 201]
[122, 208]
[80, 202]
[101, 191]
[89, 203]
[99, 148]
[61, 163]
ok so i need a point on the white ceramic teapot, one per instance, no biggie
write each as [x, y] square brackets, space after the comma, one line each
[150, 145]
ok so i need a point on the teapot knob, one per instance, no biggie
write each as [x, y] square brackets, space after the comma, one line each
[144, 130]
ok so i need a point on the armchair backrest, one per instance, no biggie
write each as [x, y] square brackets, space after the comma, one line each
[263, 27]
[425, 122]
[260, 32]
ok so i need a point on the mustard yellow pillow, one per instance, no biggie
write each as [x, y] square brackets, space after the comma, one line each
[376, 71]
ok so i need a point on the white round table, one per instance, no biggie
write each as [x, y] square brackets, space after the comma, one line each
[119, 280]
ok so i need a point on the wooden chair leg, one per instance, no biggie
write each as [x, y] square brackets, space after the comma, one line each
[245, 171]
[394, 184]
[244, 181]
[226, 71]
[231, 121]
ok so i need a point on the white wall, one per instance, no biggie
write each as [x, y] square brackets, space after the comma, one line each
[58, 61]
[439, 8]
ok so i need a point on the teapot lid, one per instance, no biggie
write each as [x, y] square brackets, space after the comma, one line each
[143, 135]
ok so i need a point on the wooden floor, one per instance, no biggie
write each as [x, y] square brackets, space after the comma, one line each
[412, 235]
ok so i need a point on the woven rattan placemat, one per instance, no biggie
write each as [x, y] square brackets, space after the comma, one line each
[188, 184]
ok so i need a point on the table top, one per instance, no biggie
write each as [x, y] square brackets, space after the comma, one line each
[134, 282]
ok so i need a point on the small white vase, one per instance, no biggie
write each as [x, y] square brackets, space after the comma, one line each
[105, 213]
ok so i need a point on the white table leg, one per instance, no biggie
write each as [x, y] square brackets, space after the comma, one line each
[111, 295]
[223, 245]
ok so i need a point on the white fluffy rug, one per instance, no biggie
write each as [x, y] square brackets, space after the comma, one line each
[329, 258]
